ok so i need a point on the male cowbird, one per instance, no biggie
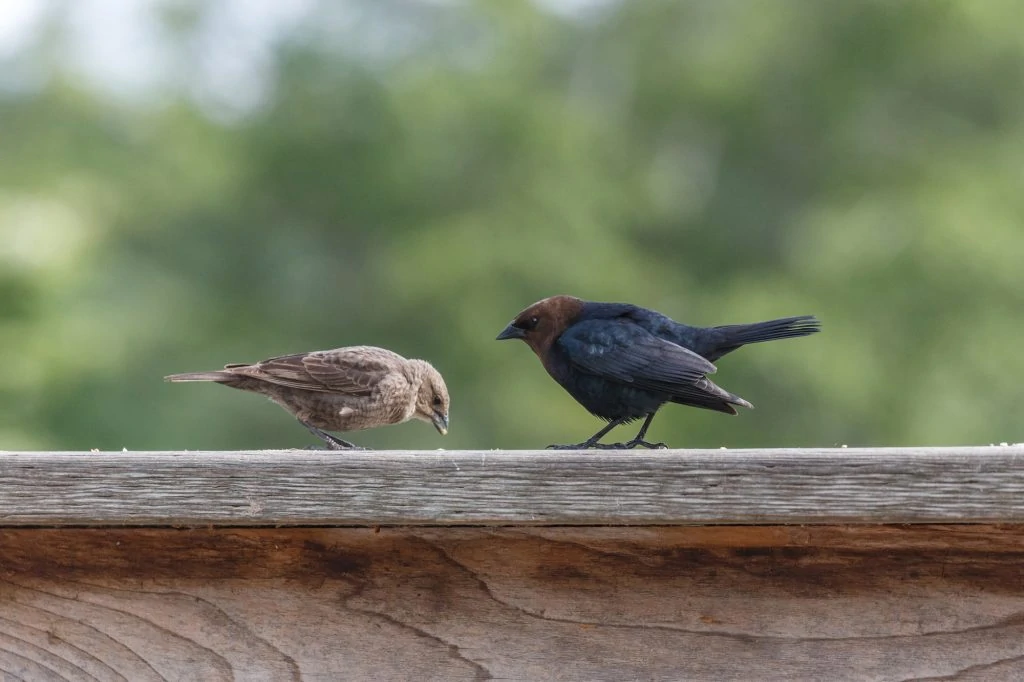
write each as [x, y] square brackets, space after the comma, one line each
[345, 389]
[623, 362]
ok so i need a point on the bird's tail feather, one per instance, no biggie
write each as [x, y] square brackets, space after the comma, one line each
[199, 376]
[709, 395]
[784, 328]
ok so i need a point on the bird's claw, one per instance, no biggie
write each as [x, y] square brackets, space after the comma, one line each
[597, 446]
[345, 445]
[334, 443]
[629, 445]
[640, 443]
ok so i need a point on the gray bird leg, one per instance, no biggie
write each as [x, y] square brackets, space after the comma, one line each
[592, 441]
[639, 440]
[636, 442]
[333, 442]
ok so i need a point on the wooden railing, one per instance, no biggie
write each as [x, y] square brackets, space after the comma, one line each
[839, 564]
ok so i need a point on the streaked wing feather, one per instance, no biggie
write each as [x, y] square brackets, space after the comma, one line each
[352, 371]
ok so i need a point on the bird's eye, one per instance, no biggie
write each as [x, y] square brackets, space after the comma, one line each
[529, 324]
[437, 401]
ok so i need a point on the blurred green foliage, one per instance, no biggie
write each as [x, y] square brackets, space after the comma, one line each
[418, 172]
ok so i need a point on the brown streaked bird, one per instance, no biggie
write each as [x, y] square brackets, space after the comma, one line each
[623, 362]
[345, 389]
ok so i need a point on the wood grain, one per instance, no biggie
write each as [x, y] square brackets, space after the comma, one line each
[763, 603]
[916, 485]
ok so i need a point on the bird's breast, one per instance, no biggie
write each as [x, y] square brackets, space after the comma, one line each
[611, 399]
[602, 397]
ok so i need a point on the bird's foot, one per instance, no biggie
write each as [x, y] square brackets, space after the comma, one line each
[629, 445]
[588, 445]
[641, 443]
[333, 442]
[339, 444]
[335, 448]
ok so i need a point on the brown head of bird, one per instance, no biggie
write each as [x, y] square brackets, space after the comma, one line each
[431, 397]
[541, 323]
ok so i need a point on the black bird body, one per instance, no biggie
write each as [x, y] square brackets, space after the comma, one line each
[623, 362]
[583, 359]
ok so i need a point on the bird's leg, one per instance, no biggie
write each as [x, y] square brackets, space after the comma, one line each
[592, 441]
[639, 440]
[333, 442]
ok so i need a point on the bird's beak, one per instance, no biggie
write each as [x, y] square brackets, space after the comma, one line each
[511, 332]
[440, 422]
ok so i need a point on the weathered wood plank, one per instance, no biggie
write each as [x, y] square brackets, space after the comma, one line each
[916, 485]
[723, 603]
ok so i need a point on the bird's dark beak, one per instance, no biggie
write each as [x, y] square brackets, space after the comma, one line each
[440, 422]
[511, 332]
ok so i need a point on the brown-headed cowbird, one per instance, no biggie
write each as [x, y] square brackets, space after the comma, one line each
[623, 362]
[345, 389]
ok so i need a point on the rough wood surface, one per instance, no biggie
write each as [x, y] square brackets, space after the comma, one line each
[723, 603]
[967, 485]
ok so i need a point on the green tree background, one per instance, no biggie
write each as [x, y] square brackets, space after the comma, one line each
[412, 174]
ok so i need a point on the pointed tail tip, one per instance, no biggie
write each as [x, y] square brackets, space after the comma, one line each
[805, 325]
[771, 330]
[194, 376]
[811, 323]
[808, 324]
[733, 401]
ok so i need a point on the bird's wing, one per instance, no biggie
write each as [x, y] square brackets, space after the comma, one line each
[352, 371]
[622, 351]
